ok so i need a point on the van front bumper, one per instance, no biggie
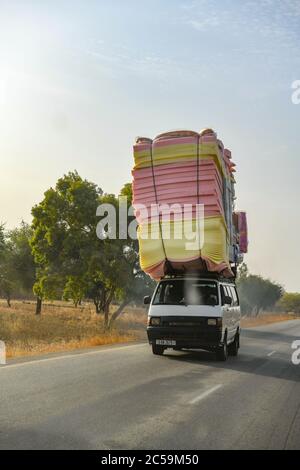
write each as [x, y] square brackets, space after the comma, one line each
[206, 337]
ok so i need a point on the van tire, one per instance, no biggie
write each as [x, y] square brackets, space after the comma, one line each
[233, 348]
[222, 351]
[157, 350]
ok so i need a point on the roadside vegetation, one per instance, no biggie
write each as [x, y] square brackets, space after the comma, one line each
[256, 293]
[61, 256]
[265, 318]
[62, 327]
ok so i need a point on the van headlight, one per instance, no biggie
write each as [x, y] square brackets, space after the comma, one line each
[154, 321]
[214, 321]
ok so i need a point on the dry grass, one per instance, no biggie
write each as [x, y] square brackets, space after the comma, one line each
[266, 318]
[61, 327]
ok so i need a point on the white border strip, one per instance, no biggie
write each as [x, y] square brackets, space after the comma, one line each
[69, 356]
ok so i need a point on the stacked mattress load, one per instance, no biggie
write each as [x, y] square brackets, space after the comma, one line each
[242, 231]
[184, 169]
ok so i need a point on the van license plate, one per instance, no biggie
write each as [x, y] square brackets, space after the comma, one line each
[166, 342]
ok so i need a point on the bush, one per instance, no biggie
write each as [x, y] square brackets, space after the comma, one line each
[290, 302]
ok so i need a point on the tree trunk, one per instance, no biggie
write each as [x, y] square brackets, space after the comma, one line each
[106, 309]
[118, 312]
[38, 309]
[97, 306]
[106, 316]
[8, 301]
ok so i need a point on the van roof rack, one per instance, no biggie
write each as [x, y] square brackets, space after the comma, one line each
[203, 275]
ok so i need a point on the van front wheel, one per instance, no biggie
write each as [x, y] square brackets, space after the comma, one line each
[233, 348]
[222, 352]
[157, 350]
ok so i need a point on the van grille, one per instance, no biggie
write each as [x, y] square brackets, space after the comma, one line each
[184, 321]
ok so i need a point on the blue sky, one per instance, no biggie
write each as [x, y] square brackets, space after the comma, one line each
[80, 79]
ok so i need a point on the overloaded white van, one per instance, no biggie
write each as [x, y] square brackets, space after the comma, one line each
[195, 313]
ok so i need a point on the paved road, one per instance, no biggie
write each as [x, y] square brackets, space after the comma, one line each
[125, 398]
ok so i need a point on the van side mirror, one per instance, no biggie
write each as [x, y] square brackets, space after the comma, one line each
[227, 300]
[147, 299]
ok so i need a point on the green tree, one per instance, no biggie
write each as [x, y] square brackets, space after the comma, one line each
[116, 269]
[6, 273]
[133, 283]
[127, 191]
[64, 237]
[243, 271]
[290, 302]
[110, 266]
[2, 240]
[81, 257]
[75, 289]
[256, 293]
[21, 259]
[17, 267]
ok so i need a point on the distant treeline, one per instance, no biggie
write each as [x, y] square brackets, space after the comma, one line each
[59, 256]
[256, 293]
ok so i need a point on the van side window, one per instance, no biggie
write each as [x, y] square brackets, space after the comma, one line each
[229, 292]
[234, 296]
[223, 294]
[237, 297]
[158, 294]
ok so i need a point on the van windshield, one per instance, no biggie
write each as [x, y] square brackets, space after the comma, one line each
[186, 292]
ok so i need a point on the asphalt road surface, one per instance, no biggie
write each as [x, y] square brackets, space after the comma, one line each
[123, 397]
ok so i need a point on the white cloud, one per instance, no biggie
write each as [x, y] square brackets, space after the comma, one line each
[116, 59]
[274, 24]
[205, 23]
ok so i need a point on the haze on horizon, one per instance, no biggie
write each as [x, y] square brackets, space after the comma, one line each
[78, 82]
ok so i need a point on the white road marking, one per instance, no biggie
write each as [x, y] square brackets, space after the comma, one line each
[205, 394]
[271, 353]
[69, 356]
